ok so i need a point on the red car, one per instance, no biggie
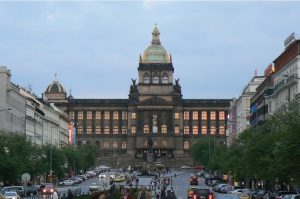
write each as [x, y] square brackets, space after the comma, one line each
[194, 180]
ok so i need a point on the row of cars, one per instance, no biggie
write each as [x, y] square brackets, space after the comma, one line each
[77, 179]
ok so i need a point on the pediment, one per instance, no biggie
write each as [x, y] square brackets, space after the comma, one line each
[155, 101]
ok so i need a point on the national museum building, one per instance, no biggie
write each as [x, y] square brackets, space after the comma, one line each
[154, 110]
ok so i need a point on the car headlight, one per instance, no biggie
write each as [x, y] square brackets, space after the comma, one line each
[51, 190]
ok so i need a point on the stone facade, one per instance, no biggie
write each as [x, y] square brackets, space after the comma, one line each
[154, 112]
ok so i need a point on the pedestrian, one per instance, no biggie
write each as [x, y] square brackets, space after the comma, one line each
[64, 196]
[70, 194]
[55, 194]
[144, 194]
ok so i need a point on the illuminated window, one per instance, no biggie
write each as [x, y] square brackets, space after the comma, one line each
[146, 128]
[221, 115]
[155, 79]
[222, 130]
[213, 115]
[98, 130]
[212, 130]
[124, 129]
[195, 130]
[176, 115]
[89, 115]
[186, 115]
[124, 115]
[146, 78]
[98, 115]
[164, 143]
[106, 130]
[133, 115]
[164, 128]
[71, 115]
[176, 129]
[133, 130]
[155, 144]
[186, 130]
[80, 115]
[124, 145]
[165, 78]
[115, 115]
[106, 115]
[204, 115]
[89, 130]
[106, 145]
[80, 129]
[116, 130]
[186, 145]
[145, 143]
[195, 115]
[115, 144]
[204, 130]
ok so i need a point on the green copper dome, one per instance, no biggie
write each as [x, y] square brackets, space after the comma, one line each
[155, 53]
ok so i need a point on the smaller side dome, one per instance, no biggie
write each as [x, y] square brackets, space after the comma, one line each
[55, 87]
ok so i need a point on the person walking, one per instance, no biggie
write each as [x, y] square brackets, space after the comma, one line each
[70, 194]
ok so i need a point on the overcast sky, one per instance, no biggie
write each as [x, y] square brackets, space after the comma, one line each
[94, 47]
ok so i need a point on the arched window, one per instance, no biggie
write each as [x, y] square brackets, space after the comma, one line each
[124, 145]
[204, 130]
[106, 145]
[186, 130]
[79, 129]
[186, 145]
[116, 130]
[98, 129]
[212, 130]
[164, 143]
[115, 144]
[221, 130]
[165, 78]
[106, 130]
[146, 78]
[155, 78]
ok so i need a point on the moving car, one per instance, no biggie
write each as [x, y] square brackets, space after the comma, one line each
[199, 193]
[11, 195]
[194, 180]
[19, 189]
[47, 189]
[94, 187]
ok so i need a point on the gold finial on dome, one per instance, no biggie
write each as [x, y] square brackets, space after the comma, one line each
[155, 36]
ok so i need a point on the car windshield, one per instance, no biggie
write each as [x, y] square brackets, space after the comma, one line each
[10, 194]
[94, 184]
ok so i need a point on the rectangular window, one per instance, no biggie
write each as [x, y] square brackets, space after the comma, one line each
[80, 129]
[98, 130]
[133, 115]
[106, 115]
[124, 129]
[146, 128]
[89, 115]
[195, 130]
[115, 130]
[124, 115]
[88, 130]
[106, 130]
[176, 129]
[133, 130]
[176, 116]
[221, 115]
[115, 115]
[204, 115]
[195, 115]
[212, 115]
[80, 115]
[164, 128]
[98, 115]
[71, 115]
[186, 115]
[186, 130]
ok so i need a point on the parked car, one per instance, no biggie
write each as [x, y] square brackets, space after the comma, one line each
[19, 189]
[94, 187]
[11, 195]
[292, 196]
[281, 194]
[69, 183]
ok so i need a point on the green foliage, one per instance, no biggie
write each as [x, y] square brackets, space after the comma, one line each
[19, 155]
[268, 151]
